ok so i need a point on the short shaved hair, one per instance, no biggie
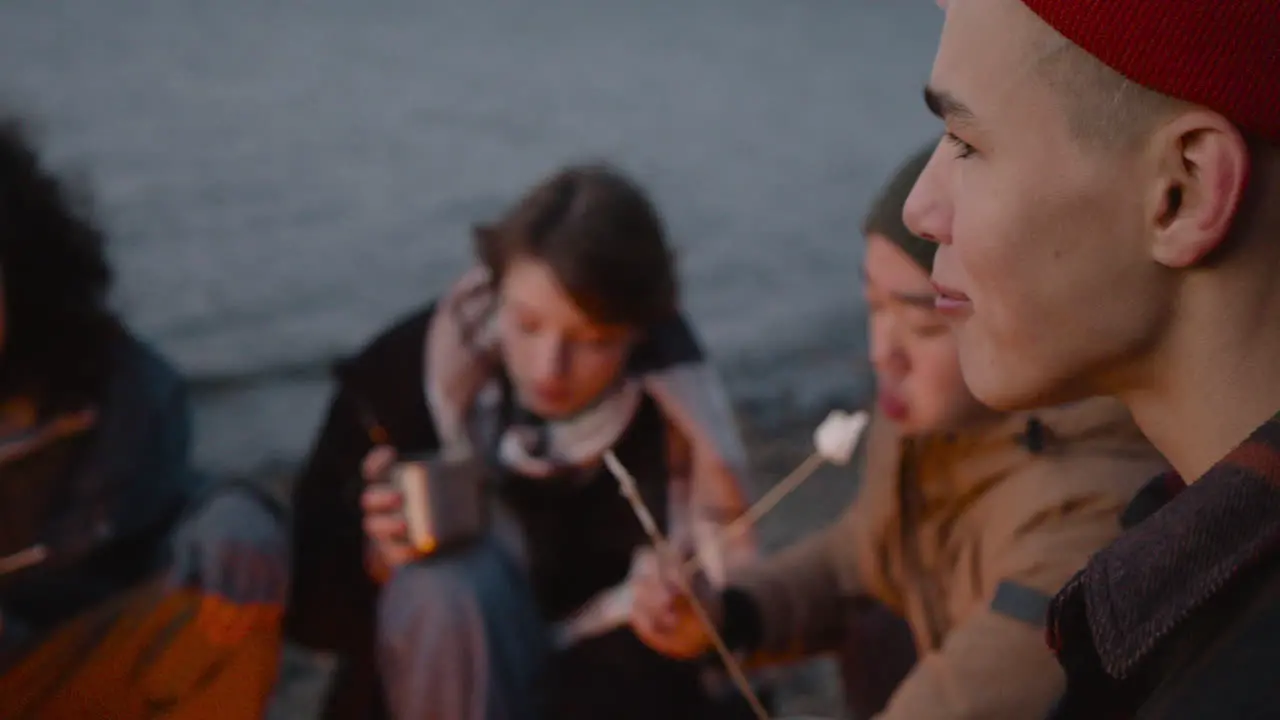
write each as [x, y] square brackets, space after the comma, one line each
[1109, 112]
[1103, 107]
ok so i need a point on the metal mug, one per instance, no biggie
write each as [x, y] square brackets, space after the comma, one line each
[444, 504]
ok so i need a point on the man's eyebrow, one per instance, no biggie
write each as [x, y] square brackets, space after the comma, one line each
[945, 105]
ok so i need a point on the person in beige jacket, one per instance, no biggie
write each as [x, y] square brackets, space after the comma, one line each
[966, 522]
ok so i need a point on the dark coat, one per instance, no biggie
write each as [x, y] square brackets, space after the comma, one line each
[1179, 619]
[101, 504]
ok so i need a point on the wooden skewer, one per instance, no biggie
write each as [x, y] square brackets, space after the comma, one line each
[776, 494]
[631, 492]
[767, 503]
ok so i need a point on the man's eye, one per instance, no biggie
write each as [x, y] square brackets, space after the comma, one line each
[963, 149]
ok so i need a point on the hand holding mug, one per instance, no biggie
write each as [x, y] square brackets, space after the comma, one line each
[382, 504]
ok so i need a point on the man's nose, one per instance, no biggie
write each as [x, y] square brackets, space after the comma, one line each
[926, 212]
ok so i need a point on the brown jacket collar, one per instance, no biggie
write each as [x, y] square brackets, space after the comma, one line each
[1139, 589]
[986, 453]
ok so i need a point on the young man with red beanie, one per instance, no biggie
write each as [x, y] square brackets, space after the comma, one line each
[1107, 203]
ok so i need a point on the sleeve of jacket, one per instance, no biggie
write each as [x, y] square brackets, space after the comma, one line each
[328, 542]
[142, 450]
[170, 450]
[161, 480]
[706, 457]
[995, 664]
[801, 593]
[706, 497]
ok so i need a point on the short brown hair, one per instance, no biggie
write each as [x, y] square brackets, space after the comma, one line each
[602, 238]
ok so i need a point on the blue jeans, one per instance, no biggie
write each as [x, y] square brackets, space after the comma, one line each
[460, 637]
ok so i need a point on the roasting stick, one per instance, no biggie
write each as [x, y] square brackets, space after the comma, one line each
[612, 607]
[836, 439]
[608, 609]
[776, 494]
[627, 484]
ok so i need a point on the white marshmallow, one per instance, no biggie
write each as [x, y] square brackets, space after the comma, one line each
[837, 437]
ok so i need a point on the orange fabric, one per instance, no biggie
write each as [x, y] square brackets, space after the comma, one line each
[152, 653]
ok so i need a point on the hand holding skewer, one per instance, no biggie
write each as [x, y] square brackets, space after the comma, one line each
[675, 610]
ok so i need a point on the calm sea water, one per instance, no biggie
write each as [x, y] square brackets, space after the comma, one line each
[282, 178]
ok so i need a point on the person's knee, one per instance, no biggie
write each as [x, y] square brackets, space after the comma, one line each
[456, 635]
[434, 596]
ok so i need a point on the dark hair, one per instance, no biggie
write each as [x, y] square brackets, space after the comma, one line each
[602, 238]
[54, 279]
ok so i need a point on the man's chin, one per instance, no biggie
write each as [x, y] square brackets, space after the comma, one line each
[1006, 390]
[998, 379]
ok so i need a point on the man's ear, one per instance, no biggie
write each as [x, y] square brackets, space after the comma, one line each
[1202, 167]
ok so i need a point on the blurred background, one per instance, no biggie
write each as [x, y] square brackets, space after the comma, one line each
[283, 178]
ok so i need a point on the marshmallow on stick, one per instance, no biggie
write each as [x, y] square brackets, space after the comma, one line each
[837, 437]
[835, 441]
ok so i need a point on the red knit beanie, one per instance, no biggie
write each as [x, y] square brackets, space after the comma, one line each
[1221, 54]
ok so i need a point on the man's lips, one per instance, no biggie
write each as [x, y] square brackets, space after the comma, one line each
[950, 302]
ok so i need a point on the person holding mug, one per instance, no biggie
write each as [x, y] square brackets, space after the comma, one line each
[564, 343]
